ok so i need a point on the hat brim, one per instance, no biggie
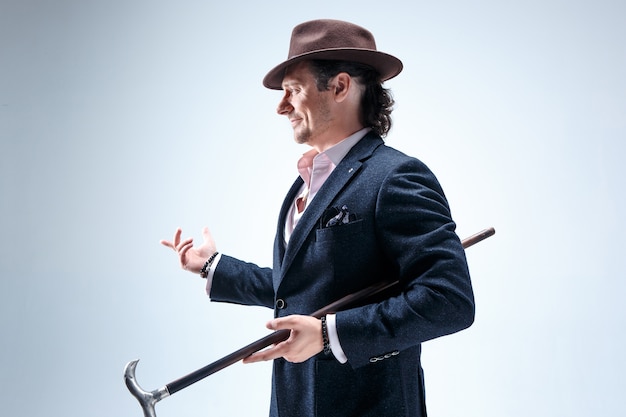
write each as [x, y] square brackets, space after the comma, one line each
[387, 65]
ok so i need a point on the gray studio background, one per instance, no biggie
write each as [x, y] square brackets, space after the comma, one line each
[122, 120]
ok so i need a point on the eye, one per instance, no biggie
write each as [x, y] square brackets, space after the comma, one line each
[291, 91]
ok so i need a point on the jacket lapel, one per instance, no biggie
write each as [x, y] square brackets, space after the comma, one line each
[279, 241]
[337, 180]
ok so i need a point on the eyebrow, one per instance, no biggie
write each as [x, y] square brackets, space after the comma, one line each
[292, 79]
[292, 82]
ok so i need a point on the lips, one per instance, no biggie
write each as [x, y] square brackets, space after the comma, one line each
[295, 121]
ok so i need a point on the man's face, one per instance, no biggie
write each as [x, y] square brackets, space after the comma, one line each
[308, 109]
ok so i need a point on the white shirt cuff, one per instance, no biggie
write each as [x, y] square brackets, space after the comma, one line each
[209, 277]
[333, 338]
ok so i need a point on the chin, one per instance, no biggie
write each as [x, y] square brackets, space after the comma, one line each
[301, 139]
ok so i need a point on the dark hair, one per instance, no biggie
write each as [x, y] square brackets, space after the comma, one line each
[376, 101]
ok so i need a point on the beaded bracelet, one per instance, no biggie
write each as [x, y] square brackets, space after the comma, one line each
[325, 340]
[204, 272]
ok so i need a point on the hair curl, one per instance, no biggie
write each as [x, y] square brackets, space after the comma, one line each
[376, 101]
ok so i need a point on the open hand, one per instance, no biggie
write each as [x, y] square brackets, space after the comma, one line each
[190, 258]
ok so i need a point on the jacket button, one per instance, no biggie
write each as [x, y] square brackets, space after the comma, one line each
[280, 304]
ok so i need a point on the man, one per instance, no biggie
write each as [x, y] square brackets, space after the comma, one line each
[360, 213]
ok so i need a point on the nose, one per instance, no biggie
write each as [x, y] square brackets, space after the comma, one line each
[284, 106]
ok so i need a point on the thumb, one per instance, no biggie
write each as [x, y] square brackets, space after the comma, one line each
[281, 323]
[208, 238]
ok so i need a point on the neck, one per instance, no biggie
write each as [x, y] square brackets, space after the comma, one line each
[331, 138]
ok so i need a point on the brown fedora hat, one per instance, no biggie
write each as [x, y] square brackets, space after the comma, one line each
[333, 40]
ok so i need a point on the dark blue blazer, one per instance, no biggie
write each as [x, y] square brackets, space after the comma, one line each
[400, 229]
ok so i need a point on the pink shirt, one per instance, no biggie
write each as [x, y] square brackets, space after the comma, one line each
[314, 169]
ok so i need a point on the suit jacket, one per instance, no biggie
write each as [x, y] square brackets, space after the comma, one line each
[400, 229]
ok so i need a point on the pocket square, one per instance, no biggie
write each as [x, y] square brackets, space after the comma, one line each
[335, 216]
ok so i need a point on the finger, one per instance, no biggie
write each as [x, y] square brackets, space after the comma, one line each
[265, 355]
[255, 357]
[177, 234]
[186, 242]
[287, 322]
[184, 247]
[167, 243]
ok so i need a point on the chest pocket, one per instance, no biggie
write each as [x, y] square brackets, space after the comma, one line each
[339, 232]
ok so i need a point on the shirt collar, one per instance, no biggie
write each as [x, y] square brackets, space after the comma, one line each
[335, 153]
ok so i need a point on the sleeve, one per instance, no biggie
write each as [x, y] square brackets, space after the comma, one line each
[239, 282]
[414, 224]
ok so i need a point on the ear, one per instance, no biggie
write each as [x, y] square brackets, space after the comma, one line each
[341, 86]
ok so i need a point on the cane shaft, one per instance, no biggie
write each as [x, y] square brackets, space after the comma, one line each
[368, 292]
[218, 365]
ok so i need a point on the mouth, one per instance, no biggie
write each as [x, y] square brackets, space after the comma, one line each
[294, 118]
[295, 121]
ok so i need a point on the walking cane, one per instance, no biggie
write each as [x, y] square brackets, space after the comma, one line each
[148, 400]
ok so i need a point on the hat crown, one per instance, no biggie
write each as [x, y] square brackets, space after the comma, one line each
[328, 34]
[336, 40]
